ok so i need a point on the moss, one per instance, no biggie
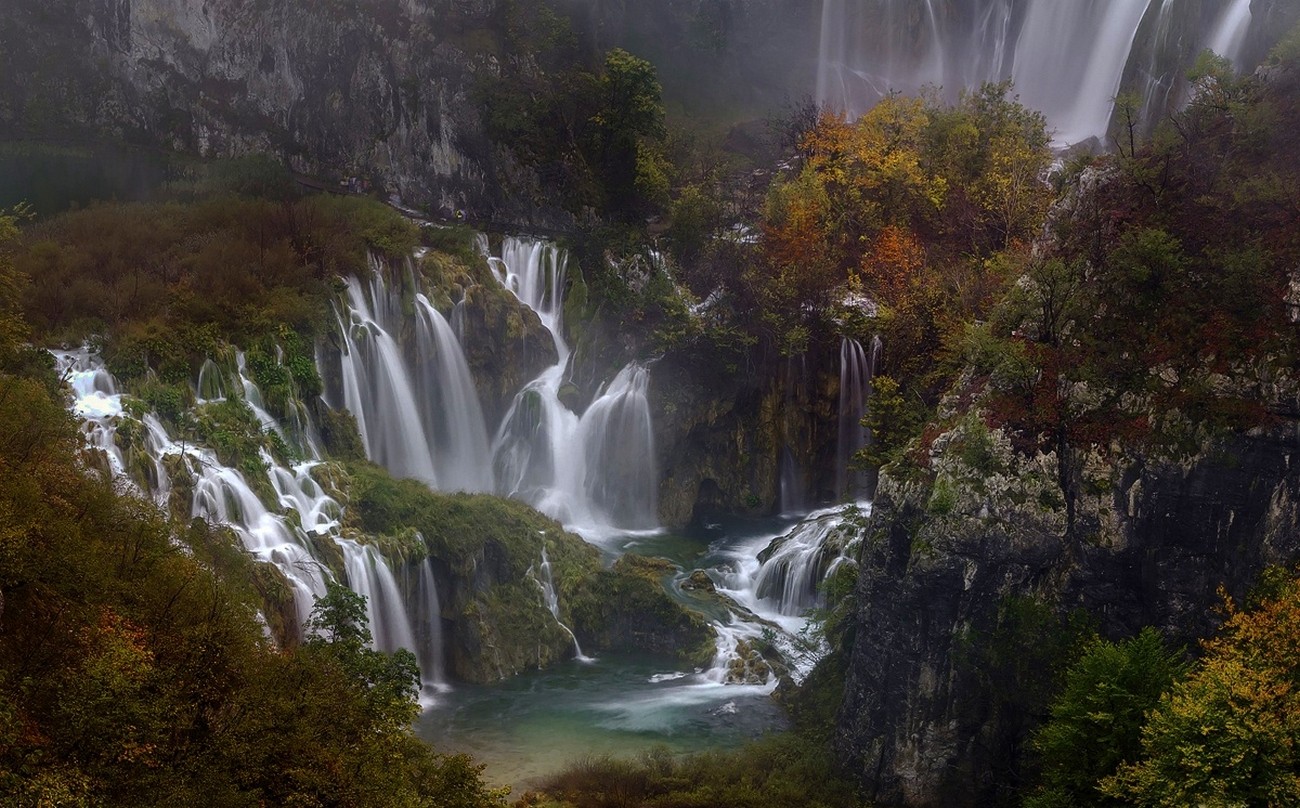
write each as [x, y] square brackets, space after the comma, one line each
[339, 433]
[507, 630]
[277, 596]
[626, 608]
[491, 549]
[231, 430]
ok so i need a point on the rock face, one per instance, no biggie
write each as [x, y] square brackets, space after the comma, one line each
[721, 446]
[379, 90]
[920, 724]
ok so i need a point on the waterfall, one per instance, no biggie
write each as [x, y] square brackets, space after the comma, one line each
[428, 628]
[777, 579]
[453, 418]
[792, 500]
[417, 410]
[368, 575]
[1075, 85]
[857, 367]
[794, 566]
[1067, 59]
[1229, 34]
[286, 534]
[551, 598]
[620, 475]
[377, 387]
[594, 473]
[211, 386]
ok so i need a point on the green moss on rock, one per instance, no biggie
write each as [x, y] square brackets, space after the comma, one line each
[626, 608]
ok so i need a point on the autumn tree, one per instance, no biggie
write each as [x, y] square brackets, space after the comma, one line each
[1229, 734]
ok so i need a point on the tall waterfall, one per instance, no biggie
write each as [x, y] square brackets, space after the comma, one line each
[595, 472]
[1067, 59]
[418, 414]
[857, 367]
[1230, 31]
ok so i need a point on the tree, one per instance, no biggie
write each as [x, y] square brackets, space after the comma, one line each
[390, 683]
[1096, 721]
[628, 128]
[1228, 734]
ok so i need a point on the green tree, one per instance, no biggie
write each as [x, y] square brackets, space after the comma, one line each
[390, 682]
[628, 130]
[1096, 721]
[1228, 734]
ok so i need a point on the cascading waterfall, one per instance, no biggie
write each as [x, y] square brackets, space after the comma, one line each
[377, 388]
[286, 535]
[793, 567]
[594, 473]
[551, 597]
[857, 368]
[417, 410]
[778, 579]
[1067, 59]
[453, 418]
[427, 624]
[368, 575]
[791, 480]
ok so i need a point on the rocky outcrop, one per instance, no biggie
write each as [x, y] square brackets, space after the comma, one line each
[497, 562]
[950, 554]
[376, 90]
[721, 440]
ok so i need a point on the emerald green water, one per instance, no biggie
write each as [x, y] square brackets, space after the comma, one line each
[534, 724]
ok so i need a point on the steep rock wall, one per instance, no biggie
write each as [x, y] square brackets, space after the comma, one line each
[919, 724]
[378, 89]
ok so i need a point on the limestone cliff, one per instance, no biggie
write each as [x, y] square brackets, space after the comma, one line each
[924, 720]
[378, 90]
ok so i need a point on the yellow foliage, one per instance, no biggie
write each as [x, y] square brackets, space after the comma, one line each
[1228, 734]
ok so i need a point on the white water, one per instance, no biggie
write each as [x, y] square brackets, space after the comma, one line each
[595, 473]
[286, 535]
[857, 368]
[453, 418]
[1229, 34]
[1066, 57]
[377, 387]
[785, 587]
[551, 598]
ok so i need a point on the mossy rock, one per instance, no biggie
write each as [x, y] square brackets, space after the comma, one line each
[699, 581]
[504, 631]
[626, 608]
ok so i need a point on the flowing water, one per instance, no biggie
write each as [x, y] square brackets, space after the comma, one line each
[403, 374]
[1066, 59]
[593, 472]
[857, 368]
[536, 723]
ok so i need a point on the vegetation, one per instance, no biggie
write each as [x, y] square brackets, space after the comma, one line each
[133, 669]
[1156, 315]
[778, 770]
[1096, 720]
[1136, 725]
[1227, 733]
[593, 133]
[173, 282]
